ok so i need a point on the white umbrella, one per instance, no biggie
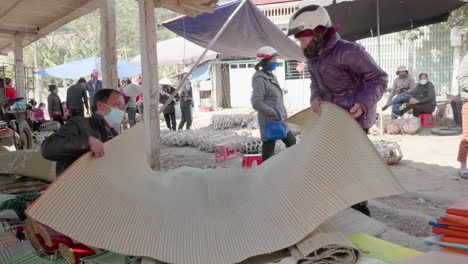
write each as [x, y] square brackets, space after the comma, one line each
[178, 51]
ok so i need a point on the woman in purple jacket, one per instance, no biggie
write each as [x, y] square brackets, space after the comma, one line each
[342, 72]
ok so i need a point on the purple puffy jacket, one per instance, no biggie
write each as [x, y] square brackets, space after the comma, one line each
[345, 74]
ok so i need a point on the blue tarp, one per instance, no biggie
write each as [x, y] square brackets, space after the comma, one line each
[248, 31]
[82, 68]
[201, 73]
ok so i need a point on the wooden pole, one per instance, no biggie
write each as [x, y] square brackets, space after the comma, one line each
[19, 66]
[149, 64]
[108, 44]
[212, 42]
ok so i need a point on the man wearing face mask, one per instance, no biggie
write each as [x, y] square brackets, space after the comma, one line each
[341, 72]
[83, 134]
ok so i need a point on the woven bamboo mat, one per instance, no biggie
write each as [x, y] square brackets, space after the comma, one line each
[222, 215]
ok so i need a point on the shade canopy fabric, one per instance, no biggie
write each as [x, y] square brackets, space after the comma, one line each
[218, 216]
[178, 51]
[248, 31]
[201, 73]
[81, 68]
[358, 18]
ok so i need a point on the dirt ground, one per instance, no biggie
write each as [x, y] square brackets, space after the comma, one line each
[428, 171]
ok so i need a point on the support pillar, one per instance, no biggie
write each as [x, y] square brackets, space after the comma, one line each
[20, 82]
[108, 45]
[149, 64]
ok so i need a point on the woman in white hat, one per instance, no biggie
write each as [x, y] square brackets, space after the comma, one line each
[267, 98]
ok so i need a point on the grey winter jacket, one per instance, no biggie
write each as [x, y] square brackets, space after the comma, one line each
[77, 97]
[266, 97]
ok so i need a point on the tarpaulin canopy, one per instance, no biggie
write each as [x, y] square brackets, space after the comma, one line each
[358, 18]
[178, 51]
[201, 73]
[248, 31]
[81, 68]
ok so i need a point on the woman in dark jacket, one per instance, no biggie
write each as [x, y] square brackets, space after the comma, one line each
[169, 112]
[55, 105]
[423, 100]
[267, 98]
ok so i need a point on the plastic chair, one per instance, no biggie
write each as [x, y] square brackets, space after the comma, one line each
[248, 160]
[225, 151]
[427, 120]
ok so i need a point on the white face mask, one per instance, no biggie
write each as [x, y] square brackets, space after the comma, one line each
[422, 82]
[114, 117]
[42, 108]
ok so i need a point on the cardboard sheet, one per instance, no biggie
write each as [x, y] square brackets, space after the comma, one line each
[382, 250]
[216, 216]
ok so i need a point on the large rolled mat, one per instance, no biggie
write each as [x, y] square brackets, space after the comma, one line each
[324, 246]
[29, 163]
[216, 216]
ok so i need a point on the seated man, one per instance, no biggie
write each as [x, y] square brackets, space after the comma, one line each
[83, 134]
[423, 100]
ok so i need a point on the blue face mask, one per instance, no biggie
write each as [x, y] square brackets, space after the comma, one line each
[114, 117]
[272, 65]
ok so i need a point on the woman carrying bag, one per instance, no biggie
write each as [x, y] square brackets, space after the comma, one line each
[267, 99]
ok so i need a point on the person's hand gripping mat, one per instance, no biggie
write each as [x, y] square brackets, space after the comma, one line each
[216, 216]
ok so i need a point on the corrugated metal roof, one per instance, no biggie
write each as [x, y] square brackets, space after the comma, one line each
[36, 18]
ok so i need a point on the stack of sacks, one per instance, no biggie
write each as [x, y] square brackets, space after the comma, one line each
[452, 229]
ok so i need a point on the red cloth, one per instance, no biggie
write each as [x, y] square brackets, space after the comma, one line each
[139, 98]
[319, 30]
[37, 115]
[10, 92]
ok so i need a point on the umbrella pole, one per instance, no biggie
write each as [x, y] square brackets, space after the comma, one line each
[380, 64]
[212, 42]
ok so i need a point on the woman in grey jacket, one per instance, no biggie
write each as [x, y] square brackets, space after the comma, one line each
[267, 98]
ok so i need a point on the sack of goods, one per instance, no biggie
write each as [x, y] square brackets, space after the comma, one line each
[411, 125]
[393, 127]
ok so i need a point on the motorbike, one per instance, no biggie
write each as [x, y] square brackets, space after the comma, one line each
[14, 128]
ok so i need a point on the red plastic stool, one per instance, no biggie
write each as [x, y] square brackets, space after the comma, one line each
[248, 160]
[427, 120]
[225, 151]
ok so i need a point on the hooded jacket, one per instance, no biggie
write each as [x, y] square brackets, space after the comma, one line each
[345, 74]
[266, 97]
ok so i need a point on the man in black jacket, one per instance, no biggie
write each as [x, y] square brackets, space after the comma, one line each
[77, 98]
[80, 134]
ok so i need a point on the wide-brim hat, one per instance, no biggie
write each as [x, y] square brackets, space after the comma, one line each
[402, 68]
